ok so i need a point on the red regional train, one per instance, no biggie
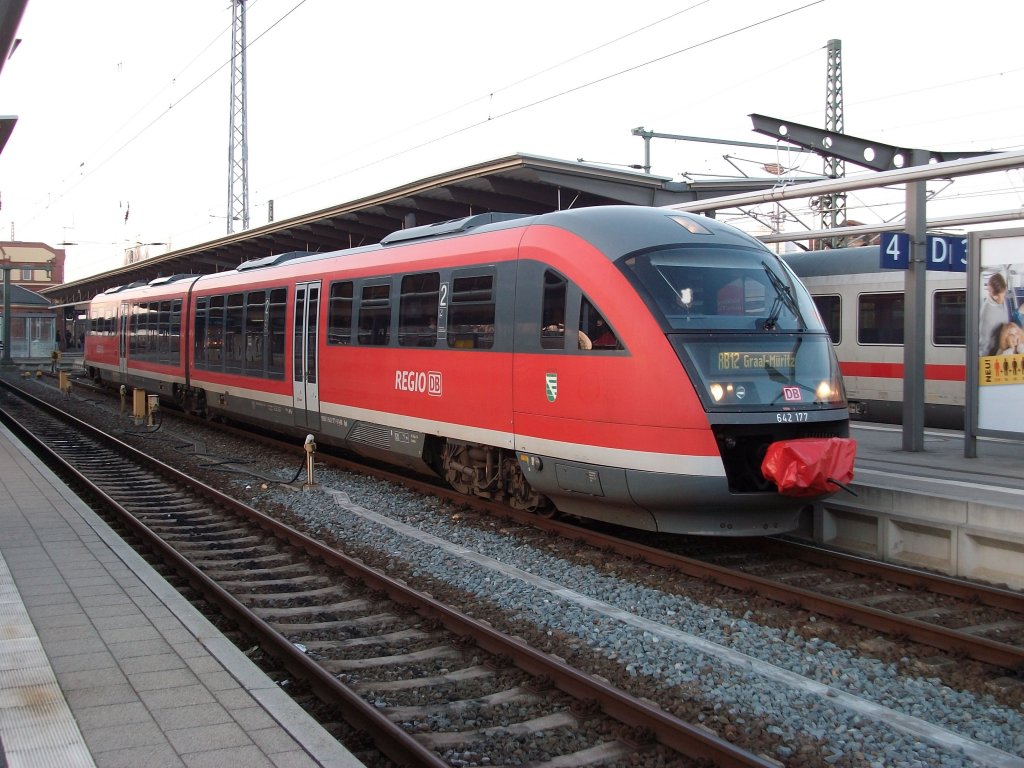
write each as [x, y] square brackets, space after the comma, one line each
[628, 364]
[862, 307]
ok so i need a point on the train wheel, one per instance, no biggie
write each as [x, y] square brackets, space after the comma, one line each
[521, 495]
[456, 470]
[199, 405]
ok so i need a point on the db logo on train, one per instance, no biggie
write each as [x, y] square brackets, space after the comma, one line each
[428, 382]
[791, 394]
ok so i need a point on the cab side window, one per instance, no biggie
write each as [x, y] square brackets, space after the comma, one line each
[595, 328]
[552, 329]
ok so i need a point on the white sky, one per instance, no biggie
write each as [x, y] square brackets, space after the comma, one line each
[123, 105]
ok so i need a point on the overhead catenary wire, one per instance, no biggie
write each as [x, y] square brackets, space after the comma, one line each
[559, 94]
[474, 124]
[91, 170]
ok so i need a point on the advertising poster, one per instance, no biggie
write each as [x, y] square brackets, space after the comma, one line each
[1001, 335]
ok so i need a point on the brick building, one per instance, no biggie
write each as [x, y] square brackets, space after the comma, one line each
[33, 322]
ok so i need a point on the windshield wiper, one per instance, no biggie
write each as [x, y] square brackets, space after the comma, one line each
[783, 297]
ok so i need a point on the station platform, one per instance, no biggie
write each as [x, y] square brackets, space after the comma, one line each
[999, 463]
[103, 663]
[933, 509]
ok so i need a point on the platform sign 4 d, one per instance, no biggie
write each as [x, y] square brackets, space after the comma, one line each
[947, 253]
[894, 250]
[942, 252]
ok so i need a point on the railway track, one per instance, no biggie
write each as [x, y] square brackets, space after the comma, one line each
[429, 684]
[963, 618]
[966, 619]
[653, 675]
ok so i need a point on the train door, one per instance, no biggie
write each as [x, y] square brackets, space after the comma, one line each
[122, 342]
[306, 390]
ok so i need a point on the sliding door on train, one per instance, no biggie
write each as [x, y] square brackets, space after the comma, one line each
[306, 390]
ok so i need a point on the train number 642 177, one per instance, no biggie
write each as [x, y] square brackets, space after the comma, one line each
[789, 416]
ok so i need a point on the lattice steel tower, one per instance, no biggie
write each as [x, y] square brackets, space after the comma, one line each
[833, 206]
[238, 146]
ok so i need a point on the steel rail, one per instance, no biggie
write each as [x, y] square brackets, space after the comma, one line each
[389, 738]
[676, 734]
[934, 635]
[937, 636]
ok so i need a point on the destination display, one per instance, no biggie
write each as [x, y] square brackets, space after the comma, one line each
[750, 361]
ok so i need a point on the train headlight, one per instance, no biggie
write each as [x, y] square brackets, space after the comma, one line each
[716, 391]
[830, 391]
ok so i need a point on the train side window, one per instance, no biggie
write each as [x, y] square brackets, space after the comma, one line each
[148, 316]
[199, 341]
[949, 318]
[880, 318]
[595, 328]
[829, 307]
[471, 311]
[339, 313]
[277, 309]
[134, 329]
[417, 310]
[174, 345]
[375, 315]
[155, 330]
[552, 326]
[163, 342]
[255, 331]
[234, 334]
[145, 316]
[215, 332]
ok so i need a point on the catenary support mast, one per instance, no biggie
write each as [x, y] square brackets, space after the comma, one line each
[238, 147]
[833, 205]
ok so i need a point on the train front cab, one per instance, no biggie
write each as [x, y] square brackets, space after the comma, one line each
[669, 432]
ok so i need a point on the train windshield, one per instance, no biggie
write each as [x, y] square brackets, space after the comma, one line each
[743, 325]
[725, 289]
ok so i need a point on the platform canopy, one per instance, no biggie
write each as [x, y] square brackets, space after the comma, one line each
[11, 12]
[516, 184]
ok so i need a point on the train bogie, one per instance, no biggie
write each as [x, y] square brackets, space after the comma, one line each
[624, 364]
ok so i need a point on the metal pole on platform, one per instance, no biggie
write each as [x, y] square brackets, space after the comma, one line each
[915, 297]
[6, 360]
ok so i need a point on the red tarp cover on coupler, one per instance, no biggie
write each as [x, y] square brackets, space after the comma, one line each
[807, 467]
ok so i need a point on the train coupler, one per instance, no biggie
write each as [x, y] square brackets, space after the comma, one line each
[810, 466]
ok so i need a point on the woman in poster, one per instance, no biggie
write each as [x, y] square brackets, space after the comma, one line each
[995, 312]
[1011, 340]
